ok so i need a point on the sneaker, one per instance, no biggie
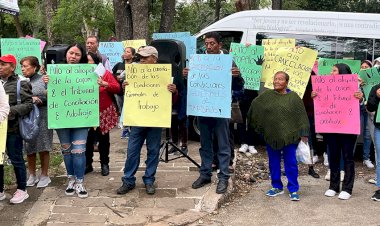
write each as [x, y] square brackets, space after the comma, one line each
[327, 177]
[315, 159]
[44, 182]
[243, 148]
[294, 196]
[368, 164]
[80, 190]
[330, 193]
[124, 133]
[341, 175]
[376, 196]
[2, 196]
[325, 159]
[372, 181]
[32, 180]
[343, 195]
[19, 196]
[172, 151]
[70, 190]
[185, 150]
[125, 188]
[252, 149]
[274, 192]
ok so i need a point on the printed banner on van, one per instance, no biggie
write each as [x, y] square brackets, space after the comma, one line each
[370, 77]
[270, 48]
[209, 85]
[9, 7]
[136, 44]
[325, 65]
[3, 137]
[298, 63]
[249, 60]
[113, 50]
[73, 96]
[20, 48]
[147, 101]
[189, 41]
[336, 110]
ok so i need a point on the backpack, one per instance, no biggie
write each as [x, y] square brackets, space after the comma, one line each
[28, 124]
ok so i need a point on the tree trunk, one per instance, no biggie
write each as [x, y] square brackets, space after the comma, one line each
[18, 27]
[276, 4]
[242, 5]
[167, 16]
[49, 9]
[217, 9]
[123, 20]
[140, 17]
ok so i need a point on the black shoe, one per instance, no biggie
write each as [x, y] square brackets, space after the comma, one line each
[184, 150]
[222, 186]
[214, 167]
[376, 196]
[200, 182]
[88, 169]
[125, 188]
[105, 170]
[150, 189]
[313, 173]
[172, 151]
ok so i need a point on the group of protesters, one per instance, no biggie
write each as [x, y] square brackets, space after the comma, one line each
[277, 116]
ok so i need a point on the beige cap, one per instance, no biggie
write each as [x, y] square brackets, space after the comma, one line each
[148, 51]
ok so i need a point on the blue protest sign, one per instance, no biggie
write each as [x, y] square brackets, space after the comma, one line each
[113, 50]
[209, 85]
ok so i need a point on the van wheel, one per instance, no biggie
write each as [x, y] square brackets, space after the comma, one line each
[194, 133]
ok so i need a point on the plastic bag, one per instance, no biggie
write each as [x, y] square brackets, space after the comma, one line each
[303, 153]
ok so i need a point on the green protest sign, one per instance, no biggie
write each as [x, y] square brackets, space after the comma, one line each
[249, 60]
[20, 48]
[370, 77]
[325, 65]
[73, 96]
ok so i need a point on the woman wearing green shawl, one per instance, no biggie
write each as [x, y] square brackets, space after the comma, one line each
[280, 116]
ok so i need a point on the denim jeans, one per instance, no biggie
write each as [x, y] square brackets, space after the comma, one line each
[290, 164]
[365, 130]
[219, 127]
[14, 150]
[135, 143]
[377, 150]
[74, 156]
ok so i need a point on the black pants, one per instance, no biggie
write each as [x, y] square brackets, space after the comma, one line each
[103, 146]
[179, 130]
[341, 143]
[247, 135]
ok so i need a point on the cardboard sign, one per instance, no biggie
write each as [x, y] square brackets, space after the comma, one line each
[270, 48]
[249, 61]
[336, 110]
[3, 137]
[209, 85]
[20, 48]
[298, 63]
[325, 65]
[73, 96]
[113, 51]
[147, 101]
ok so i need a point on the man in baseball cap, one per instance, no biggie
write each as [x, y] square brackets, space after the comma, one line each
[148, 55]
[7, 65]
[8, 58]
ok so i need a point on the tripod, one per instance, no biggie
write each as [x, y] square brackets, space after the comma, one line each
[165, 150]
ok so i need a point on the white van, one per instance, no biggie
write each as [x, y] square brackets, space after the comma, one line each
[334, 34]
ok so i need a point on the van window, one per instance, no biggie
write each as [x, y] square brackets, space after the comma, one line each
[227, 38]
[329, 46]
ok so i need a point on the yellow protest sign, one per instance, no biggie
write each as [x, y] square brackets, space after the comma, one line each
[3, 138]
[270, 48]
[147, 101]
[298, 63]
[136, 44]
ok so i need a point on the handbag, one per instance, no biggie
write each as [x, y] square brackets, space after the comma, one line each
[28, 124]
[236, 116]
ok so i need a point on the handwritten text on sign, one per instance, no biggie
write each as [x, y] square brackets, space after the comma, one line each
[209, 85]
[136, 44]
[298, 63]
[270, 48]
[336, 109]
[20, 48]
[370, 77]
[249, 61]
[147, 101]
[325, 65]
[73, 96]
[113, 51]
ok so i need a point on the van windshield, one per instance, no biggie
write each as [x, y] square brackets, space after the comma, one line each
[227, 38]
[331, 46]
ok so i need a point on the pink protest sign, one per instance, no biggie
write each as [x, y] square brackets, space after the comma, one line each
[336, 110]
[42, 43]
[315, 67]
